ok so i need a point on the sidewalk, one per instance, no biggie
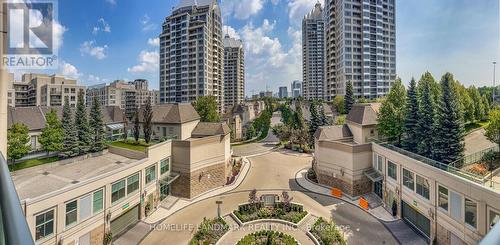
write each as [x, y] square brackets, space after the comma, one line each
[161, 213]
[379, 212]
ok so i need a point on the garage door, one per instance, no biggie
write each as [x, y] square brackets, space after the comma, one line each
[126, 220]
[418, 221]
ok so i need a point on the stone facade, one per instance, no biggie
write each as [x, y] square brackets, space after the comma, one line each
[442, 235]
[354, 188]
[190, 185]
[97, 235]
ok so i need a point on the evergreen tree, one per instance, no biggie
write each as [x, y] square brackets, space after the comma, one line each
[315, 121]
[486, 105]
[448, 145]
[426, 115]
[298, 116]
[324, 120]
[206, 106]
[137, 125]
[147, 119]
[410, 141]
[82, 126]
[339, 104]
[391, 118]
[52, 136]
[466, 105]
[250, 133]
[96, 126]
[478, 102]
[70, 139]
[17, 141]
[349, 97]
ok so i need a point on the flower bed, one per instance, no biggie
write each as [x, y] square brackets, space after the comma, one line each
[327, 233]
[248, 212]
[267, 237]
[209, 231]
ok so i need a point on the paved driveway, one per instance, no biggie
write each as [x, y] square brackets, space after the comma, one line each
[273, 173]
[476, 141]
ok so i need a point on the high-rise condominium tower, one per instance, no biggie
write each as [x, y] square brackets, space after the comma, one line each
[313, 53]
[234, 72]
[192, 53]
[360, 46]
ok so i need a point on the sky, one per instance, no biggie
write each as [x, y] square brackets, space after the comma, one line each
[105, 40]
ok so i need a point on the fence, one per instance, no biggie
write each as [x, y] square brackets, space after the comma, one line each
[473, 158]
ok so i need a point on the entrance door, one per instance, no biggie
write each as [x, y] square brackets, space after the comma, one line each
[378, 188]
[164, 191]
[416, 220]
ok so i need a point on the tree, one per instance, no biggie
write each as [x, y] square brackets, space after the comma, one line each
[410, 141]
[477, 100]
[17, 141]
[52, 137]
[286, 114]
[125, 127]
[82, 126]
[147, 126]
[426, 115]
[206, 106]
[349, 97]
[283, 132]
[466, 104]
[391, 118]
[137, 125]
[298, 116]
[315, 121]
[448, 135]
[96, 126]
[493, 129]
[250, 131]
[70, 139]
[339, 104]
[340, 120]
[322, 117]
[486, 105]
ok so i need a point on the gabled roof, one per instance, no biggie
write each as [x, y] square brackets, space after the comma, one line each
[364, 114]
[336, 132]
[172, 113]
[209, 129]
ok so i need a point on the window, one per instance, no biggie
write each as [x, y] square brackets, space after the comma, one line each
[422, 187]
[118, 191]
[164, 166]
[470, 212]
[85, 209]
[380, 164]
[392, 170]
[443, 198]
[408, 179]
[71, 216]
[132, 183]
[494, 218]
[150, 174]
[97, 201]
[44, 226]
[456, 205]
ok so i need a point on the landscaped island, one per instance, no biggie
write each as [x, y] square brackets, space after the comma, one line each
[284, 210]
[327, 233]
[267, 237]
[209, 231]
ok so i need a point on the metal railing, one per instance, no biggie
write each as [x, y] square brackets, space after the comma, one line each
[473, 158]
[13, 227]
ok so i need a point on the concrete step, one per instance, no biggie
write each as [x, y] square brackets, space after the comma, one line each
[169, 202]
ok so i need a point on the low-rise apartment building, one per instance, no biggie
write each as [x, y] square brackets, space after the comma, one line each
[80, 200]
[443, 203]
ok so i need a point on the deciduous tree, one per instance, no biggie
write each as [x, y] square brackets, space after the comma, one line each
[391, 118]
[206, 106]
[17, 141]
[52, 137]
[493, 129]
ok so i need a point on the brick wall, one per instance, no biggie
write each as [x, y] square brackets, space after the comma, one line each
[197, 182]
[442, 235]
[97, 235]
[356, 188]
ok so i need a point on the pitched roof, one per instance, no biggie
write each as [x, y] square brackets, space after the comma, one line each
[210, 129]
[336, 132]
[364, 114]
[173, 113]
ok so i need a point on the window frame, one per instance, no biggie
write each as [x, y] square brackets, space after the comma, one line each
[94, 211]
[66, 224]
[167, 160]
[124, 191]
[412, 179]
[447, 209]
[473, 226]
[128, 192]
[148, 178]
[395, 170]
[423, 187]
[44, 224]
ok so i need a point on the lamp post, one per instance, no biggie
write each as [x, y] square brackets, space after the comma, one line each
[494, 78]
[218, 202]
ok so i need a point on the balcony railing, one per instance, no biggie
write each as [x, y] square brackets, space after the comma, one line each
[13, 227]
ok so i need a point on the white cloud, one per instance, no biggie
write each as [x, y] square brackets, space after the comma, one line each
[102, 25]
[297, 9]
[155, 42]
[275, 2]
[232, 32]
[69, 70]
[93, 79]
[112, 2]
[99, 52]
[148, 62]
[146, 23]
[242, 9]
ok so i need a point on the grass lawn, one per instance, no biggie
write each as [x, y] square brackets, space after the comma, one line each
[141, 146]
[32, 162]
[474, 125]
